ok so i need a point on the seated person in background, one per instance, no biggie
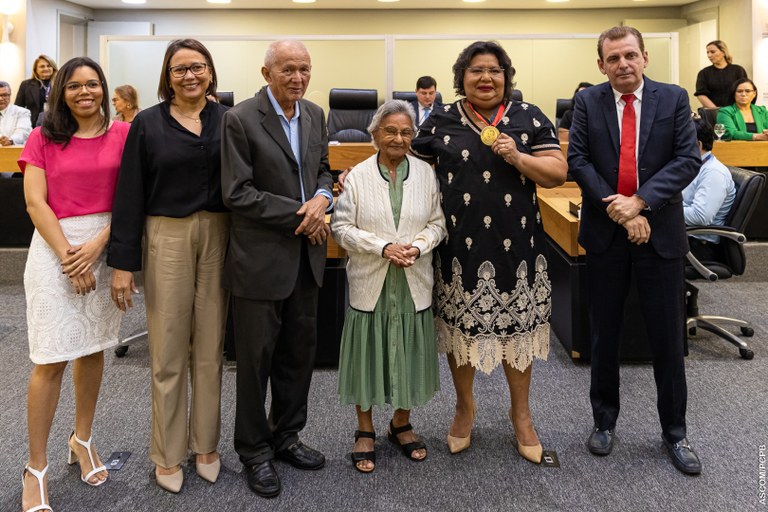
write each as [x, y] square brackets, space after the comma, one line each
[126, 103]
[743, 119]
[708, 198]
[15, 124]
[426, 91]
[565, 121]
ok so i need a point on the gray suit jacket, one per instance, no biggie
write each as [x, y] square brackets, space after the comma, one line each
[260, 184]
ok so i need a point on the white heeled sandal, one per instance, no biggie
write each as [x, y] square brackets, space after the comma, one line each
[39, 475]
[73, 458]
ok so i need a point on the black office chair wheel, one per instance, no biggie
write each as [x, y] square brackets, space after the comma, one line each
[748, 331]
[123, 349]
[692, 331]
[745, 353]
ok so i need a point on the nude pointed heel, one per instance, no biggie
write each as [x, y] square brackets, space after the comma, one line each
[72, 458]
[39, 475]
[532, 453]
[208, 471]
[171, 483]
[459, 444]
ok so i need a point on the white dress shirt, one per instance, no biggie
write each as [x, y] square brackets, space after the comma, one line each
[15, 124]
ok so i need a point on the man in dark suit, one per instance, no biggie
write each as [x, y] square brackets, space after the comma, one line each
[426, 93]
[632, 151]
[277, 182]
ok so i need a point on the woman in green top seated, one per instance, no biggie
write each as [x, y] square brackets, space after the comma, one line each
[389, 220]
[744, 120]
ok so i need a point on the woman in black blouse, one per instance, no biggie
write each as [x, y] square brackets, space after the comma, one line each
[169, 190]
[713, 83]
[33, 92]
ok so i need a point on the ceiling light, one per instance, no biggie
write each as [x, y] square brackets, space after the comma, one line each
[557, 1]
[134, 1]
[472, 1]
[303, 1]
[219, 1]
[388, 1]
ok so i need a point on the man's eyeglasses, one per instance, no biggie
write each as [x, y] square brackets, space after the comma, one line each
[198, 68]
[90, 86]
[304, 71]
[478, 71]
[5, 95]
[392, 132]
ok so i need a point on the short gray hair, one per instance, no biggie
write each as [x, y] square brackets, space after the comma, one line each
[390, 108]
[5, 84]
[270, 56]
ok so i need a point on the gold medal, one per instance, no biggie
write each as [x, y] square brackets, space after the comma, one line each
[489, 135]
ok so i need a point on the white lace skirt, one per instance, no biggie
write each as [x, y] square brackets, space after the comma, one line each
[63, 325]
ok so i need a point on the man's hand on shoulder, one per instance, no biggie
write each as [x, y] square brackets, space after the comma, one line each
[622, 208]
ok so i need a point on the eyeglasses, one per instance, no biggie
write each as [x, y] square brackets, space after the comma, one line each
[198, 68]
[90, 86]
[304, 71]
[392, 132]
[478, 71]
[5, 95]
[745, 91]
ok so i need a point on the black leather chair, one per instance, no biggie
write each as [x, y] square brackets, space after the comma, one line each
[16, 228]
[226, 98]
[709, 115]
[517, 94]
[562, 105]
[728, 261]
[350, 112]
[411, 96]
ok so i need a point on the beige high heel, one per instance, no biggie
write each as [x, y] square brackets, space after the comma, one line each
[39, 475]
[459, 444]
[531, 453]
[72, 458]
[171, 483]
[208, 471]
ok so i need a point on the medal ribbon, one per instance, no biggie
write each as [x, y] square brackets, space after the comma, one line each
[496, 119]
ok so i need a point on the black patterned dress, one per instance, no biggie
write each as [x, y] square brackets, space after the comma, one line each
[492, 290]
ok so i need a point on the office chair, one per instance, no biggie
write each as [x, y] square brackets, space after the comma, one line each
[226, 98]
[350, 113]
[709, 115]
[411, 96]
[517, 94]
[730, 260]
[562, 105]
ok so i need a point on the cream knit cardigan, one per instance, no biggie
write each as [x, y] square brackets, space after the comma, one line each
[362, 224]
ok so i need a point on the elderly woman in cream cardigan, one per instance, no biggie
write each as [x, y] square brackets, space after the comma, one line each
[389, 220]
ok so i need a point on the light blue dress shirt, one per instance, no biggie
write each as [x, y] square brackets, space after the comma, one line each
[291, 129]
[709, 197]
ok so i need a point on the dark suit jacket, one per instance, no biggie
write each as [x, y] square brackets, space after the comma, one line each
[260, 184]
[28, 96]
[668, 159]
[415, 105]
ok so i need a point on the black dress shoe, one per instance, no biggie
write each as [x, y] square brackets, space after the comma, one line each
[301, 456]
[263, 479]
[683, 456]
[600, 442]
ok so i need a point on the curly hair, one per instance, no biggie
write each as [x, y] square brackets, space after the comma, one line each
[483, 48]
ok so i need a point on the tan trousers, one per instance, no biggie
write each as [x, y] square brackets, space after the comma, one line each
[186, 315]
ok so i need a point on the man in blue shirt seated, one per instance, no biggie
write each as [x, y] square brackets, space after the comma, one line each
[708, 198]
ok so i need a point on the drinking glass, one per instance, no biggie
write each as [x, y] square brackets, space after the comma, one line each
[719, 130]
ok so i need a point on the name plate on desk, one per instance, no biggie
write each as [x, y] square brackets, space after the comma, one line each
[575, 209]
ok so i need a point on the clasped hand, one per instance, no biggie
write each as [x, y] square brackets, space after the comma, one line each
[401, 255]
[313, 225]
[506, 148]
[622, 208]
[77, 264]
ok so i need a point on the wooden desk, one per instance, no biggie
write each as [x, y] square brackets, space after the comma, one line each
[738, 153]
[742, 153]
[347, 154]
[559, 223]
[332, 249]
[8, 158]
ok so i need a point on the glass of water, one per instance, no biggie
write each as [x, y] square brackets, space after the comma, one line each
[719, 130]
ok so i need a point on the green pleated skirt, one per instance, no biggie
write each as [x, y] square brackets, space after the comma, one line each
[389, 356]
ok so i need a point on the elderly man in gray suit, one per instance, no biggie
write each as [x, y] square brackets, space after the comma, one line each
[276, 180]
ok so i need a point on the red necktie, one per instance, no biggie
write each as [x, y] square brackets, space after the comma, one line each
[627, 161]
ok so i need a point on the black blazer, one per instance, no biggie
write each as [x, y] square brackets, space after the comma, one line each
[260, 184]
[668, 159]
[29, 96]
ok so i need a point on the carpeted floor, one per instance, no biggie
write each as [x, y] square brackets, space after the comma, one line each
[726, 420]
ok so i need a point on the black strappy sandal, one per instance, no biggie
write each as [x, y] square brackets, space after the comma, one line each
[407, 448]
[362, 456]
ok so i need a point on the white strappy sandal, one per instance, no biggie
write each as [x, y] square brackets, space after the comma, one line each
[73, 458]
[39, 475]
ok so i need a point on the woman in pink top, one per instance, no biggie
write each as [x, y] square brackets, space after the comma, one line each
[70, 170]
